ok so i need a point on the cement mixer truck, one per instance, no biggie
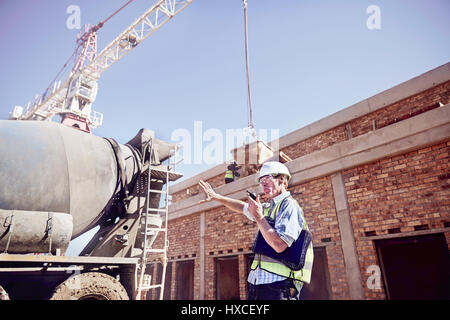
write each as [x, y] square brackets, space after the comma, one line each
[57, 183]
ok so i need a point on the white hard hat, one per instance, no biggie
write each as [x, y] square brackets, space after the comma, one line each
[273, 168]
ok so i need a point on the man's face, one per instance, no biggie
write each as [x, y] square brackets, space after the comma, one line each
[272, 186]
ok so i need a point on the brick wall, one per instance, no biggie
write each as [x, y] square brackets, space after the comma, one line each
[226, 233]
[402, 192]
[318, 142]
[316, 199]
[405, 193]
[409, 192]
[184, 242]
[402, 110]
[184, 239]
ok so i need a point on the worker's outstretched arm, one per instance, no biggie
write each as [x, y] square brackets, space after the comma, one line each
[230, 203]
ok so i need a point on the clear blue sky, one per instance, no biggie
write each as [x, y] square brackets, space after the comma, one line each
[308, 59]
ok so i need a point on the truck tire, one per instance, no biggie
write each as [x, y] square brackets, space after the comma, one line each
[90, 286]
[3, 294]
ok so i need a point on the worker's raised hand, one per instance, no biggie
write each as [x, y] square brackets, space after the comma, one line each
[209, 191]
[255, 208]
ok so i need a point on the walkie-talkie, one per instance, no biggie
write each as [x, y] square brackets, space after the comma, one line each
[252, 195]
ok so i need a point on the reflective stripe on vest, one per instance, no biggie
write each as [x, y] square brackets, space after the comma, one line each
[276, 267]
[229, 174]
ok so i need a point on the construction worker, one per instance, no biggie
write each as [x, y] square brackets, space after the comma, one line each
[270, 279]
[231, 172]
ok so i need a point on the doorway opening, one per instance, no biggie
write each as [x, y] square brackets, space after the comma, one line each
[415, 267]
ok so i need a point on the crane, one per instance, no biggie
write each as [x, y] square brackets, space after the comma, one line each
[72, 98]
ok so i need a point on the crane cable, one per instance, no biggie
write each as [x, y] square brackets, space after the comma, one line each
[117, 11]
[251, 125]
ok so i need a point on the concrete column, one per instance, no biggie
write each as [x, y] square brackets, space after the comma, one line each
[202, 256]
[352, 269]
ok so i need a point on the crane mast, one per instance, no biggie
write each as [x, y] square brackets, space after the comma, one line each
[73, 98]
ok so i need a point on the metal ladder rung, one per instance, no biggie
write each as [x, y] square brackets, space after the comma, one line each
[156, 229]
[153, 286]
[149, 230]
[156, 191]
[156, 210]
[150, 215]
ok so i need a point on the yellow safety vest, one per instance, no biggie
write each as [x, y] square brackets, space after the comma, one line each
[276, 267]
[229, 174]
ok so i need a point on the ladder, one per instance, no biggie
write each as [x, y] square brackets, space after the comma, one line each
[156, 219]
